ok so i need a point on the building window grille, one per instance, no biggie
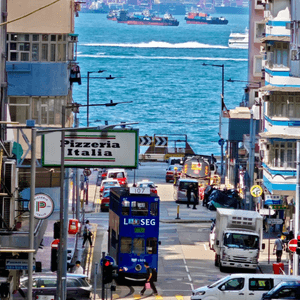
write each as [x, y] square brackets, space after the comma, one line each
[39, 47]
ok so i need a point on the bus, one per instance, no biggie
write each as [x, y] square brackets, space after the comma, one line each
[133, 231]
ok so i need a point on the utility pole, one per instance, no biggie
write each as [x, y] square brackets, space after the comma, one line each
[297, 206]
[251, 158]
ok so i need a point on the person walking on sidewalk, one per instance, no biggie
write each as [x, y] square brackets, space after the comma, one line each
[150, 280]
[78, 268]
[87, 233]
[278, 247]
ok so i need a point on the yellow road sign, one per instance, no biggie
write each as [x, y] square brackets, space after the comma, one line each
[256, 191]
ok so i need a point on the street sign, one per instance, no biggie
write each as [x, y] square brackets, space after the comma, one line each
[221, 142]
[266, 212]
[161, 141]
[146, 140]
[272, 199]
[16, 264]
[43, 206]
[256, 191]
[87, 172]
[292, 245]
[275, 221]
[279, 206]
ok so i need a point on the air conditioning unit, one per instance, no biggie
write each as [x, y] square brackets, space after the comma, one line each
[73, 38]
[10, 176]
[7, 210]
[295, 55]
[8, 145]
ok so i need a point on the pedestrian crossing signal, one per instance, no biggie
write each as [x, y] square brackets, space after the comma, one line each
[107, 271]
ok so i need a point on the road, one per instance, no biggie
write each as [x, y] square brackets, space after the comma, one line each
[185, 260]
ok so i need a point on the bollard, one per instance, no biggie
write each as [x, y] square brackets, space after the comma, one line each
[177, 218]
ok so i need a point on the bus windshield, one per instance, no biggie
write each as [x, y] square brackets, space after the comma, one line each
[239, 240]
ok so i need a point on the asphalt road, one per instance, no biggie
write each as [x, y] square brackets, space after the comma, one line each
[185, 261]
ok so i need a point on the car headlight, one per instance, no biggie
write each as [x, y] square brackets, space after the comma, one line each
[200, 293]
[225, 257]
[254, 260]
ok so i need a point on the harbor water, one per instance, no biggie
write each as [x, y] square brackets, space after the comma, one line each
[160, 69]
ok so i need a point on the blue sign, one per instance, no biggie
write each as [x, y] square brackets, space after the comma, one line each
[111, 260]
[221, 142]
[272, 202]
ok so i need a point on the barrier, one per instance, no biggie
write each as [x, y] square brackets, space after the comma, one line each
[278, 268]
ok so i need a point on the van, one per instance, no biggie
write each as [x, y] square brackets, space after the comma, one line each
[180, 188]
[174, 161]
[284, 290]
[241, 287]
[119, 174]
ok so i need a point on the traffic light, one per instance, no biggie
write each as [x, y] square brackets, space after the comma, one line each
[107, 271]
[4, 290]
[56, 230]
[298, 245]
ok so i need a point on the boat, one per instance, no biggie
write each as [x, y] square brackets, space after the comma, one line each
[239, 40]
[203, 18]
[145, 18]
[112, 15]
[232, 7]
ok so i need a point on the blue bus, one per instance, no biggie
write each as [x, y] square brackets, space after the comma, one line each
[133, 231]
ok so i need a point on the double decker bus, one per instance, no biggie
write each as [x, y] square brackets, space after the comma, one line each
[133, 231]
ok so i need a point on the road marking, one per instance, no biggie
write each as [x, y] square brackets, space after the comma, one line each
[115, 296]
[204, 247]
[158, 297]
[137, 296]
[179, 297]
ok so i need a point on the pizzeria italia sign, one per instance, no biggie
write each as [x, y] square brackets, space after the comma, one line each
[92, 148]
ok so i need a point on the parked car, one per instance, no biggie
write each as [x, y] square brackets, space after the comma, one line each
[180, 189]
[224, 199]
[284, 290]
[104, 206]
[174, 160]
[147, 183]
[108, 183]
[43, 284]
[170, 172]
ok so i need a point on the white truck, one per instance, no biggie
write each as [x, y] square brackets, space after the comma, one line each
[238, 238]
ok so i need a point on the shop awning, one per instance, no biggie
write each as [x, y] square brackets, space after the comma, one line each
[269, 135]
[275, 38]
[285, 89]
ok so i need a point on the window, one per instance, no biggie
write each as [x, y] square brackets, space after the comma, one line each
[139, 208]
[259, 284]
[257, 65]
[44, 110]
[126, 244]
[281, 55]
[125, 207]
[138, 246]
[287, 293]
[151, 246]
[73, 282]
[38, 47]
[259, 31]
[283, 155]
[47, 282]
[234, 284]
[285, 107]
[154, 208]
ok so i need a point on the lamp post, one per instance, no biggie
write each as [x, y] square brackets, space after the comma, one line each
[222, 105]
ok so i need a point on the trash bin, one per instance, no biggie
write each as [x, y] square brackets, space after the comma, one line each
[278, 268]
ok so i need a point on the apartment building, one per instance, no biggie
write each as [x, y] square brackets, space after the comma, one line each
[41, 70]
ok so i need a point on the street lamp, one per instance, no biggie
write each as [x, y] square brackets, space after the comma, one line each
[222, 106]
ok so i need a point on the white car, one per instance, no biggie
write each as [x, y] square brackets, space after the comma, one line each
[108, 183]
[147, 183]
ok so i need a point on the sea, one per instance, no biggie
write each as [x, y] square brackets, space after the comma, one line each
[160, 77]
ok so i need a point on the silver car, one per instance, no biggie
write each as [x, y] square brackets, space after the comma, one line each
[180, 189]
[44, 284]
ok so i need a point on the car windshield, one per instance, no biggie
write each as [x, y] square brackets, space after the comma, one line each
[106, 194]
[147, 184]
[110, 183]
[219, 281]
[239, 240]
[172, 168]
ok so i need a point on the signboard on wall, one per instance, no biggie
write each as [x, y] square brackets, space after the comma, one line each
[92, 148]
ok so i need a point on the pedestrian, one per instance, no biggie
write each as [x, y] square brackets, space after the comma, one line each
[176, 175]
[78, 268]
[87, 233]
[150, 280]
[278, 247]
[189, 194]
[195, 196]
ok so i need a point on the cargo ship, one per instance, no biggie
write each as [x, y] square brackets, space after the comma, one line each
[203, 18]
[112, 15]
[145, 18]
